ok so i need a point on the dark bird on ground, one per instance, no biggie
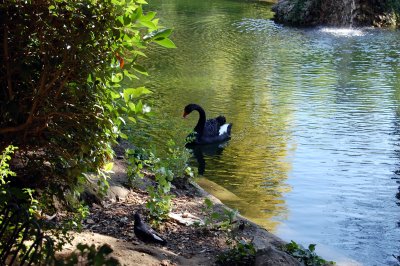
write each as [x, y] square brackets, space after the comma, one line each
[145, 233]
[208, 131]
[241, 225]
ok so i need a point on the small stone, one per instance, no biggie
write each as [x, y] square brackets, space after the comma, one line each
[90, 221]
[95, 206]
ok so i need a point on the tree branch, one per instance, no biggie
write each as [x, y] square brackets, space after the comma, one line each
[35, 104]
[7, 60]
[17, 128]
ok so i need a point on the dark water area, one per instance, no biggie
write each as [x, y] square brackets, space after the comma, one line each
[315, 148]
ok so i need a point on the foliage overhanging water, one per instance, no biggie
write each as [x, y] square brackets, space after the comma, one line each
[314, 155]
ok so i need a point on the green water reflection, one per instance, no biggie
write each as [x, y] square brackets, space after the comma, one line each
[217, 68]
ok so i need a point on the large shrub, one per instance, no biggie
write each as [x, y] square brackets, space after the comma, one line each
[61, 103]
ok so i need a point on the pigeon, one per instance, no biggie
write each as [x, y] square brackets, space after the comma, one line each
[145, 233]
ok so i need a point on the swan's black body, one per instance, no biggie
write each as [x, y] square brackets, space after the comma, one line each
[145, 233]
[208, 131]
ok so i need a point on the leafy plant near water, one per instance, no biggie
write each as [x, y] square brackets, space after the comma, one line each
[172, 168]
[176, 160]
[159, 203]
[217, 220]
[307, 256]
[138, 159]
[242, 253]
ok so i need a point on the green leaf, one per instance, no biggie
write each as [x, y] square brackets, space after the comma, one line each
[108, 166]
[135, 92]
[163, 33]
[115, 95]
[155, 21]
[215, 215]
[208, 203]
[132, 106]
[148, 24]
[139, 107]
[123, 135]
[119, 21]
[148, 17]
[167, 43]
[137, 13]
[130, 75]
[132, 119]
[139, 53]
[127, 20]
[117, 78]
[311, 247]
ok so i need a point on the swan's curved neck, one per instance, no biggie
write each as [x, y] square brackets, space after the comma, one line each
[202, 120]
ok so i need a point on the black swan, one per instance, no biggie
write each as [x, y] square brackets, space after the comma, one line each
[208, 131]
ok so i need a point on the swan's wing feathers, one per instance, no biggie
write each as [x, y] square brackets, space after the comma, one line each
[225, 129]
[211, 128]
[221, 120]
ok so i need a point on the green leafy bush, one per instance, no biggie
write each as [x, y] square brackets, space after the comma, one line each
[61, 101]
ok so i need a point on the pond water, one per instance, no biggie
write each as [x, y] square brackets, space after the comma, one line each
[315, 148]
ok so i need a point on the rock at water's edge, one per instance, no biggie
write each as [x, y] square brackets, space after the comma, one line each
[356, 13]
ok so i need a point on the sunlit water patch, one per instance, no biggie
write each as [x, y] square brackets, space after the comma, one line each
[344, 32]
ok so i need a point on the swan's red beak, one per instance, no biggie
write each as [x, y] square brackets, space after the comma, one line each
[184, 115]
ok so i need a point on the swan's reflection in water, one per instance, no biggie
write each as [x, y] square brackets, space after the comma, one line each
[201, 151]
